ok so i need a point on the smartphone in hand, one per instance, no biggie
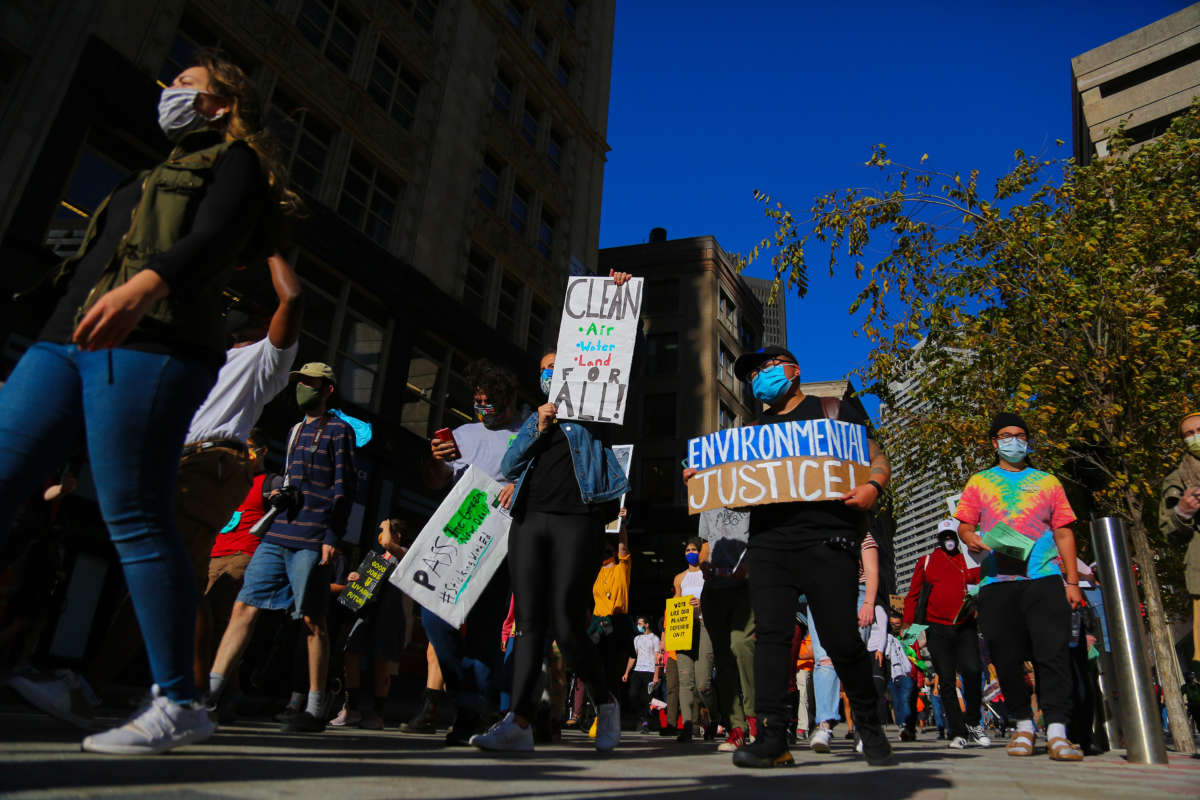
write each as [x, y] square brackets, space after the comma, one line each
[446, 435]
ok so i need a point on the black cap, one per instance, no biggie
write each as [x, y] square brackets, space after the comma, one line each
[1006, 419]
[748, 362]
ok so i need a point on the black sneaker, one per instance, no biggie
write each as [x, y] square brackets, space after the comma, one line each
[465, 726]
[766, 752]
[304, 722]
[288, 714]
[876, 747]
[685, 733]
[422, 721]
[667, 730]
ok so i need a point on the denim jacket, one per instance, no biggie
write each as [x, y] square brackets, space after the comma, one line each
[599, 475]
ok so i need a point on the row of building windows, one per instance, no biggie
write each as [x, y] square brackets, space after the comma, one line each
[530, 120]
[541, 41]
[520, 204]
[483, 280]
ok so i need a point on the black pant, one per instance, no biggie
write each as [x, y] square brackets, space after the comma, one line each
[829, 577]
[955, 650]
[553, 559]
[614, 649]
[1029, 619]
[639, 693]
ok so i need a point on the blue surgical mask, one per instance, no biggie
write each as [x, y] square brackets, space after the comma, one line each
[1013, 450]
[771, 384]
[547, 374]
[692, 558]
[641, 628]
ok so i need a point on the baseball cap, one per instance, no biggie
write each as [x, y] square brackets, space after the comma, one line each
[314, 369]
[947, 528]
[748, 362]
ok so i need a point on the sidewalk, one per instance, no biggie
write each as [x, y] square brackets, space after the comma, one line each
[40, 758]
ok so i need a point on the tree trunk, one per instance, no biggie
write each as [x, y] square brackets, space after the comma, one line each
[1160, 634]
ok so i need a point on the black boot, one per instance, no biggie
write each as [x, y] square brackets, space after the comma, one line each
[685, 732]
[769, 749]
[422, 721]
[876, 747]
[466, 722]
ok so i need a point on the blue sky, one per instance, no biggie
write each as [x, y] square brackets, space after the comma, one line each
[712, 100]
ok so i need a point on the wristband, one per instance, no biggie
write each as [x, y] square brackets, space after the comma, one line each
[1071, 584]
[876, 484]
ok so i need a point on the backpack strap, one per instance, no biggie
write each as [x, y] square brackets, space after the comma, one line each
[831, 407]
[287, 458]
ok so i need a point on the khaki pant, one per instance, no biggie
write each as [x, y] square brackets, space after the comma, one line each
[695, 675]
[212, 484]
[730, 625]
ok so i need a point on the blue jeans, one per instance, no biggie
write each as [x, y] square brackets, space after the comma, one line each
[827, 689]
[902, 698]
[939, 713]
[280, 579]
[134, 409]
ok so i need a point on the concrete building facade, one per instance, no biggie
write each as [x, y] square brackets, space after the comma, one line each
[774, 313]
[1145, 78]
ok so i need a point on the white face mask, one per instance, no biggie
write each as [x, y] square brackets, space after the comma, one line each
[950, 545]
[177, 114]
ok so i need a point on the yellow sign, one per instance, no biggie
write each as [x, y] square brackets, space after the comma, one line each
[677, 624]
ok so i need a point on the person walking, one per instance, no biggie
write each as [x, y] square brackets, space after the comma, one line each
[132, 348]
[1023, 609]
[696, 662]
[641, 674]
[1178, 519]
[610, 627]
[939, 593]
[809, 548]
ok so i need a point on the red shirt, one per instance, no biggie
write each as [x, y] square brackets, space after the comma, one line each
[949, 577]
[239, 539]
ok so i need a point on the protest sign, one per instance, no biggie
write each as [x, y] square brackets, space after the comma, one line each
[677, 624]
[458, 550]
[595, 349]
[624, 454]
[785, 462]
[372, 572]
[1008, 542]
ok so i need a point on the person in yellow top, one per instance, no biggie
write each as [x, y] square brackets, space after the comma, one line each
[610, 628]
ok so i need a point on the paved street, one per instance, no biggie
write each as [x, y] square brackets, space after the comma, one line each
[40, 758]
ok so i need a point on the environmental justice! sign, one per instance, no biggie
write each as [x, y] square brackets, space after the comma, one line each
[677, 624]
[373, 571]
[595, 349]
[624, 454]
[785, 462]
[458, 551]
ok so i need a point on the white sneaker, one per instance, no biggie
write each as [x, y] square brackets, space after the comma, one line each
[819, 741]
[608, 726]
[506, 736]
[161, 726]
[958, 743]
[975, 734]
[858, 745]
[66, 697]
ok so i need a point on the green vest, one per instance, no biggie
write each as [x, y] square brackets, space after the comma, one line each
[170, 194]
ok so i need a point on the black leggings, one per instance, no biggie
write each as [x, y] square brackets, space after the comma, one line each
[553, 560]
[955, 650]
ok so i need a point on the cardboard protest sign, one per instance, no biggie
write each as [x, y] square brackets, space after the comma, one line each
[458, 550]
[677, 624]
[624, 454]
[595, 349]
[372, 572]
[785, 462]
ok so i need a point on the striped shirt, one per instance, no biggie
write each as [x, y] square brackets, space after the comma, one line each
[868, 543]
[322, 465]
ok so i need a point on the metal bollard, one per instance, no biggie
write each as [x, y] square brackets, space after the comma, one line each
[1140, 722]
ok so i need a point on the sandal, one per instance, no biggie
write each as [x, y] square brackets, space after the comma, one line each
[1021, 744]
[1061, 749]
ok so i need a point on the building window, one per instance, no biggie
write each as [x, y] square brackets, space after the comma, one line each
[728, 418]
[659, 477]
[489, 180]
[545, 241]
[509, 304]
[727, 311]
[502, 93]
[331, 27]
[424, 11]
[359, 357]
[539, 315]
[563, 71]
[518, 215]
[529, 123]
[393, 87]
[662, 353]
[658, 418]
[554, 150]
[541, 43]
[516, 15]
[369, 199]
[570, 11]
[419, 412]
[662, 296]
[747, 337]
[725, 361]
[477, 282]
[304, 141]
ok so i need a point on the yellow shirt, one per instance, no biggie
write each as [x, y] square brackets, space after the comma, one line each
[611, 589]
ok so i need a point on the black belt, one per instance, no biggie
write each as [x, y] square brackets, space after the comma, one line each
[208, 444]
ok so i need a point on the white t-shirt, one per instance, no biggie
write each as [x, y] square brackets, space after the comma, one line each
[646, 647]
[482, 448]
[252, 375]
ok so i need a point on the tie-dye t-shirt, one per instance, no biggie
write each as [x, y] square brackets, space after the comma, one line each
[1030, 502]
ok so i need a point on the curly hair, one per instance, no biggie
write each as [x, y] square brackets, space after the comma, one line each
[498, 383]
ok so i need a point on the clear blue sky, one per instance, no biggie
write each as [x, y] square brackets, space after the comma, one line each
[711, 100]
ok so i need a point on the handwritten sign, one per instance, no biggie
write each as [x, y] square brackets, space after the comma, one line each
[459, 549]
[786, 462]
[373, 571]
[677, 624]
[595, 349]
[624, 454]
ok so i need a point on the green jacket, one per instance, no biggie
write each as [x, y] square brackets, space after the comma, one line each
[1173, 526]
[170, 193]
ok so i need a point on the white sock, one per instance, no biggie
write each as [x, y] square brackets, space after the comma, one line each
[314, 703]
[1056, 730]
[1025, 726]
[216, 682]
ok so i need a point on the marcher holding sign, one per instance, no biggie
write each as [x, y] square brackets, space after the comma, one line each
[567, 482]
[806, 546]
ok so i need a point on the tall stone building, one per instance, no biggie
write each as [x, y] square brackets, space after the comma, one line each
[1145, 78]
[774, 314]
